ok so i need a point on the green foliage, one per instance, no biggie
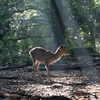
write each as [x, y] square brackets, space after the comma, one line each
[25, 24]
[82, 18]
[20, 21]
[4, 27]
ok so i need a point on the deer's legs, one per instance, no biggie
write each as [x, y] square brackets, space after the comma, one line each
[48, 72]
[34, 70]
[37, 65]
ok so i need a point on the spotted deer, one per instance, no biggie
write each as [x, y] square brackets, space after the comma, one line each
[41, 55]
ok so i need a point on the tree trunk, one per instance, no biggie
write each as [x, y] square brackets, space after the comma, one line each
[58, 33]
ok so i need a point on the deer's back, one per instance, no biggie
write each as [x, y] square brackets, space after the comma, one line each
[40, 54]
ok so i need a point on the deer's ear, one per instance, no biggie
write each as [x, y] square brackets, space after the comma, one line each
[62, 46]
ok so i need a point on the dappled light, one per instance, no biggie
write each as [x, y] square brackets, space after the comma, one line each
[66, 37]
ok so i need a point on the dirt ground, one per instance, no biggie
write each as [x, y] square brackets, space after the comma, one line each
[73, 84]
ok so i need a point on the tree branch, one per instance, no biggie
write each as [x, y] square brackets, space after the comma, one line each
[26, 38]
[90, 39]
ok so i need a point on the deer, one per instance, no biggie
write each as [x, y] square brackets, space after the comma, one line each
[40, 55]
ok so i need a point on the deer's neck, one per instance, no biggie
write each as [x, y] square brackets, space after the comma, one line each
[54, 57]
[57, 55]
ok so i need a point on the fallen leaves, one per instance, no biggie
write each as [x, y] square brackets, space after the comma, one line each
[73, 84]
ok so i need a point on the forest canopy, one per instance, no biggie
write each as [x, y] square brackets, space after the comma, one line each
[25, 24]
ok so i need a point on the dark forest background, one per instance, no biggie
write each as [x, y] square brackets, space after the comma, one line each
[25, 24]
